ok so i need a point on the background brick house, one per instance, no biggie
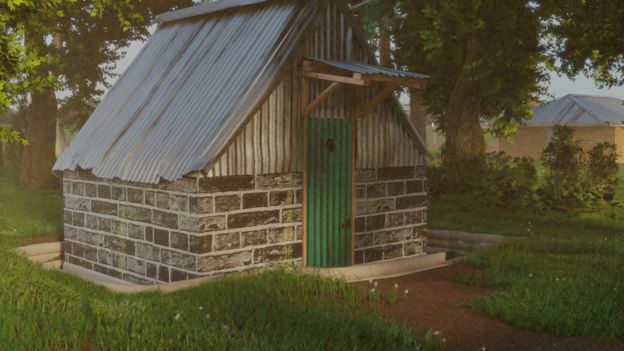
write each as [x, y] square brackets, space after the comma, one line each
[595, 119]
[246, 133]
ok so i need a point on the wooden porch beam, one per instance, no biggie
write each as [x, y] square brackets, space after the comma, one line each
[335, 78]
[385, 93]
[405, 82]
[319, 99]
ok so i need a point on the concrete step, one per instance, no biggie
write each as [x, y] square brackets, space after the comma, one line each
[40, 249]
[46, 257]
[53, 265]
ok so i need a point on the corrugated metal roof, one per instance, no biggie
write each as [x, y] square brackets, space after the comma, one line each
[205, 9]
[188, 92]
[365, 69]
[579, 110]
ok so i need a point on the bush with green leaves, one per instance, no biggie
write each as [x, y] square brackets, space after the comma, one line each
[566, 182]
[507, 180]
[603, 169]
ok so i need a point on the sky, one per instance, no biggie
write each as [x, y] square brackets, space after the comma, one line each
[559, 86]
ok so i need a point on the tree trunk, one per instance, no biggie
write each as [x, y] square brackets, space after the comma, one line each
[464, 149]
[38, 157]
[418, 114]
[384, 45]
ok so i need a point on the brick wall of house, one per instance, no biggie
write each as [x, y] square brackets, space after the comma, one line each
[391, 213]
[181, 230]
[195, 227]
[531, 141]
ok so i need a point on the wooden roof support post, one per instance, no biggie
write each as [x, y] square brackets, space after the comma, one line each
[319, 99]
[382, 95]
[305, 95]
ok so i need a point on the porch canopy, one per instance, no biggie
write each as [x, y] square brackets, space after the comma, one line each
[341, 73]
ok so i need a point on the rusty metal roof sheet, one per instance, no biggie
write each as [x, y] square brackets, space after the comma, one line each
[365, 69]
[579, 110]
[188, 91]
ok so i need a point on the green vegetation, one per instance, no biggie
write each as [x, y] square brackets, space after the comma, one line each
[28, 213]
[277, 310]
[565, 276]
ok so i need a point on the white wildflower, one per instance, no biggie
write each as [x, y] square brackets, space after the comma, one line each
[443, 340]
[406, 292]
[177, 316]
[370, 281]
[483, 348]
[437, 332]
[375, 284]
[201, 308]
[396, 286]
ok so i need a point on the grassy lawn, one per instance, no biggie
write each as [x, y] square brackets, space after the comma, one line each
[565, 276]
[278, 310]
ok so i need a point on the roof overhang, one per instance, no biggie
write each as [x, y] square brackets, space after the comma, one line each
[206, 9]
[357, 73]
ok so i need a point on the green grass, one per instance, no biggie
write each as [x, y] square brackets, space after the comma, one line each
[276, 310]
[563, 276]
[28, 213]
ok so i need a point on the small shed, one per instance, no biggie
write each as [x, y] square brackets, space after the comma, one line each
[595, 119]
[246, 133]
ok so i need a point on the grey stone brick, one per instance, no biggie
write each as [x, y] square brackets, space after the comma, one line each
[272, 181]
[414, 217]
[151, 270]
[396, 188]
[177, 259]
[90, 253]
[104, 207]
[104, 191]
[363, 241]
[91, 221]
[254, 238]
[136, 266]
[278, 235]
[225, 184]
[225, 261]
[107, 271]
[119, 245]
[78, 188]
[374, 206]
[292, 215]
[177, 275]
[392, 236]
[105, 257]
[375, 222]
[165, 219]
[78, 219]
[360, 224]
[179, 203]
[69, 233]
[365, 175]
[201, 224]
[414, 186]
[255, 200]
[413, 201]
[136, 231]
[376, 190]
[90, 190]
[179, 241]
[135, 195]
[163, 274]
[80, 262]
[120, 228]
[359, 257]
[148, 251]
[67, 187]
[360, 191]
[184, 185]
[225, 242]
[281, 198]
[140, 214]
[394, 220]
[163, 200]
[413, 248]
[201, 205]
[373, 254]
[118, 193]
[200, 244]
[150, 198]
[392, 251]
[161, 237]
[136, 280]
[77, 203]
[227, 203]
[120, 261]
[104, 224]
[299, 196]
[67, 217]
[277, 253]
[252, 219]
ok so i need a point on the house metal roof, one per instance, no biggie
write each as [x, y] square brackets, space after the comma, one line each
[365, 69]
[579, 110]
[188, 92]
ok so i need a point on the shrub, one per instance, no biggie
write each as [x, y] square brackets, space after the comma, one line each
[508, 181]
[567, 182]
[603, 169]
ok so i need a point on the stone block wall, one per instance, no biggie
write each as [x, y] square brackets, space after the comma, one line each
[181, 230]
[391, 213]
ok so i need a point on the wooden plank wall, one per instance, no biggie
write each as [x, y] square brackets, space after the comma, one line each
[272, 140]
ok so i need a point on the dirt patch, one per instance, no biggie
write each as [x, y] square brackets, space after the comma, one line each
[434, 302]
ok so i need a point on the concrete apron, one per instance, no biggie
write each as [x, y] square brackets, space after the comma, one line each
[49, 255]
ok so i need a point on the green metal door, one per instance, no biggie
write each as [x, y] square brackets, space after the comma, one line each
[328, 192]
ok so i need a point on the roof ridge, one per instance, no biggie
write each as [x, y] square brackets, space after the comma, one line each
[588, 109]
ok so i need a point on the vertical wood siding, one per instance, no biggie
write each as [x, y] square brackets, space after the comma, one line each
[272, 142]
